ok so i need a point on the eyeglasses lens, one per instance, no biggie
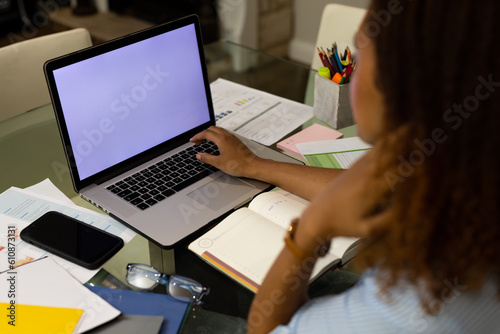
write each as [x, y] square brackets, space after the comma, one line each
[185, 289]
[143, 277]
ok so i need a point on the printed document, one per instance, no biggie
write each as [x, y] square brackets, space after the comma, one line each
[254, 114]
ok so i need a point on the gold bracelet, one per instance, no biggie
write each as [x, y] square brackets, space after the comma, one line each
[296, 250]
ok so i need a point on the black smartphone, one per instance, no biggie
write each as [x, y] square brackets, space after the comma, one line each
[72, 239]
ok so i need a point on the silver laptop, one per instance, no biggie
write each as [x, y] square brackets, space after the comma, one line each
[126, 110]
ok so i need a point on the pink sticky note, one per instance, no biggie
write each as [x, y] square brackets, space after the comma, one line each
[315, 132]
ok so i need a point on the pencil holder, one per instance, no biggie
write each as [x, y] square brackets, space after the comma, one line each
[331, 103]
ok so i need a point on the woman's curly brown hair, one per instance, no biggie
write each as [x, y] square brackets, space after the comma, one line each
[439, 70]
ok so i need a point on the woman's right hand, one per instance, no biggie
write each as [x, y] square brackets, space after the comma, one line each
[235, 158]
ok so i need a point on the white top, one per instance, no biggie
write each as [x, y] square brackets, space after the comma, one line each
[361, 309]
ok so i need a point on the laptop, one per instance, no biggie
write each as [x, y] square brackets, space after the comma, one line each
[126, 110]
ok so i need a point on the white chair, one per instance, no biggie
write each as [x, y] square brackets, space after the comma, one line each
[22, 81]
[339, 23]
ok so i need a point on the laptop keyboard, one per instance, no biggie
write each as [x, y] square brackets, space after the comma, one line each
[163, 179]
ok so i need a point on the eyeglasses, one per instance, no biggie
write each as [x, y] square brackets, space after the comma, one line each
[145, 277]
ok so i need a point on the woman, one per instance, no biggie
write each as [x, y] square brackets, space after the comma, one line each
[425, 198]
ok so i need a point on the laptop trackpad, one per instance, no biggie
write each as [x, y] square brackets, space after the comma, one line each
[219, 192]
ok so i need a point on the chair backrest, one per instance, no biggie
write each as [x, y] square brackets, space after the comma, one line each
[22, 81]
[339, 24]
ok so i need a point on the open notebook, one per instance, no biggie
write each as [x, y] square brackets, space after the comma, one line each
[246, 243]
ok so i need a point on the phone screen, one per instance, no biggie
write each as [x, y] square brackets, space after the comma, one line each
[72, 239]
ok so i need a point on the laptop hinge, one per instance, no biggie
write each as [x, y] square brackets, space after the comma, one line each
[108, 177]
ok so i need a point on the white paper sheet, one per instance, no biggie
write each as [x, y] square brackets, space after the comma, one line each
[47, 189]
[20, 207]
[254, 114]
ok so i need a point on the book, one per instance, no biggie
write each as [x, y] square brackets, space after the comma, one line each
[245, 244]
[131, 302]
[312, 133]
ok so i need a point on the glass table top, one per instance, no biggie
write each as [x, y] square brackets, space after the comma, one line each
[32, 144]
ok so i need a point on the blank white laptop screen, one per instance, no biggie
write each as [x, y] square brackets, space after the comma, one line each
[125, 101]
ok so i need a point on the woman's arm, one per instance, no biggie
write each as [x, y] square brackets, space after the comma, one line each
[345, 208]
[236, 159]
[282, 293]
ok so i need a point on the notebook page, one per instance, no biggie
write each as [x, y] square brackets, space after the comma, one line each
[278, 206]
[281, 207]
[245, 244]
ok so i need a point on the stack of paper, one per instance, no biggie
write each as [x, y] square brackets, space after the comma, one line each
[42, 293]
[20, 207]
[313, 133]
[338, 153]
[45, 283]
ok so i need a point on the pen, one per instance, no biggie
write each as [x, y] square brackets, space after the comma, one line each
[333, 62]
[342, 81]
[327, 61]
[348, 73]
[321, 57]
[335, 53]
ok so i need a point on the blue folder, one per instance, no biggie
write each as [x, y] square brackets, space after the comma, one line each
[146, 303]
